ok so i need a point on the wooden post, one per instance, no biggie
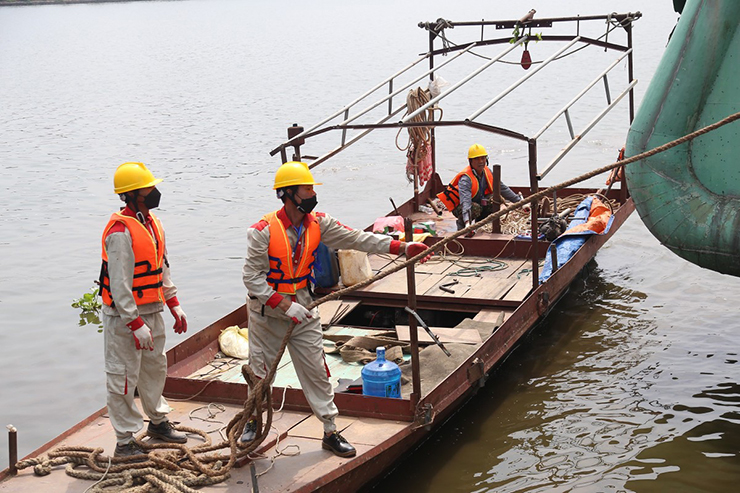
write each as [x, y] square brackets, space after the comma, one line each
[12, 449]
[411, 283]
[554, 257]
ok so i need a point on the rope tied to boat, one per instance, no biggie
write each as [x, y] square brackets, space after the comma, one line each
[180, 467]
[418, 147]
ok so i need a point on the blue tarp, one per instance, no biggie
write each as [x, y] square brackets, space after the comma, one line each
[568, 244]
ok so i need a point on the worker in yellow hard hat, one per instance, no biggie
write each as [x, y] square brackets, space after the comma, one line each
[278, 272]
[469, 194]
[135, 285]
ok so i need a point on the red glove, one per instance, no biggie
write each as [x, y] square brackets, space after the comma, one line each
[181, 320]
[414, 248]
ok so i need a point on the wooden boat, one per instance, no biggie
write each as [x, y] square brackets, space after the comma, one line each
[494, 296]
[688, 197]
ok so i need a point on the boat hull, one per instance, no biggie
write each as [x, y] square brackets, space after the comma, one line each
[689, 196]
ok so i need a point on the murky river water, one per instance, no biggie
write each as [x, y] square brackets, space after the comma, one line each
[632, 383]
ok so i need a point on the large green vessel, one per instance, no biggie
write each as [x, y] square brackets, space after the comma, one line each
[689, 196]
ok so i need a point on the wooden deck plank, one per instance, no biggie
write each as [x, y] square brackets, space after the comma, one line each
[444, 334]
[336, 308]
[464, 285]
[521, 289]
[491, 315]
[434, 266]
[220, 368]
[395, 283]
[379, 261]
[491, 288]
[100, 434]
[290, 472]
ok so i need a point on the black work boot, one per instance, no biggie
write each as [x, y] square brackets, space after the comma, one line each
[165, 431]
[130, 449]
[250, 431]
[337, 444]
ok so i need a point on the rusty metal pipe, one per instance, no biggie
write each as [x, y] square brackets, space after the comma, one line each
[534, 188]
[411, 283]
[496, 224]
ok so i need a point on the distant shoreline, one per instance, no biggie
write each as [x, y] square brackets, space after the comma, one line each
[14, 3]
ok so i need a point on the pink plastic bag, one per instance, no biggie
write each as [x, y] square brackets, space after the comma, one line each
[392, 223]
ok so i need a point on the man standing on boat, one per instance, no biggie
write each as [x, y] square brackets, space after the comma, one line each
[469, 194]
[135, 284]
[277, 272]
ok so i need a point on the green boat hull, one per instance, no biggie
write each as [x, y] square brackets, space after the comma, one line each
[689, 196]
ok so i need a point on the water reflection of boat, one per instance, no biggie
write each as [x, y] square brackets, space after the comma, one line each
[688, 197]
[494, 293]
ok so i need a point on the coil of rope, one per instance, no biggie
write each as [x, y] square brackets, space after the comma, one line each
[419, 143]
[181, 468]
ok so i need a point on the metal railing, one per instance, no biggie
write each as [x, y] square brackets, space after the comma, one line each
[349, 122]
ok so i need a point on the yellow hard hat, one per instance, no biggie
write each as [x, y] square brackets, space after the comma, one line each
[476, 150]
[133, 176]
[293, 173]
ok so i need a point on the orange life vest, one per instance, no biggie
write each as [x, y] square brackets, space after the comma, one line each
[284, 276]
[148, 258]
[450, 196]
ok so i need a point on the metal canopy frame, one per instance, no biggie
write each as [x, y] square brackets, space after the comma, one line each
[436, 30]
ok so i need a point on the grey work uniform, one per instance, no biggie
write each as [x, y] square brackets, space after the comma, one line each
[268, 326]
[126, 367]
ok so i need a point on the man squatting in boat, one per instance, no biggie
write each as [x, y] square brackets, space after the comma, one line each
[134, 285]
[467, 196]
[277, 272]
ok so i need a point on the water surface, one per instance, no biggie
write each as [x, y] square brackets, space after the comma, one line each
[630, 385]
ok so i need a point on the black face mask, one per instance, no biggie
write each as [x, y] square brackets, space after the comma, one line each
[307, 205]
[151, 201]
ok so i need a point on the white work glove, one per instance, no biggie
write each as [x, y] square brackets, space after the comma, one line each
[143, 338]
[298, 312]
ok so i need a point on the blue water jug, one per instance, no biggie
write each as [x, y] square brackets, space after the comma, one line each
[381, 378]
[325, 267]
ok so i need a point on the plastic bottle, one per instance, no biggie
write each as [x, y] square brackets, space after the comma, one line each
[381, 378]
